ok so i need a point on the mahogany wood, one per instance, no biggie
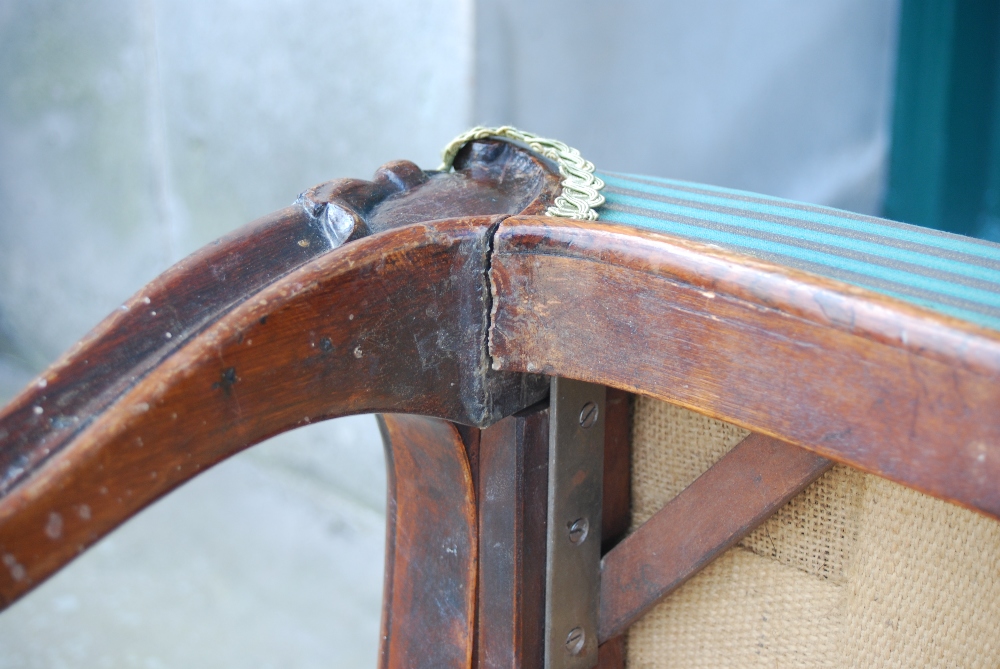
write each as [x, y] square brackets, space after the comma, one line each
[722, 506]
[491, 178]
[348, 333]
[847, 373]
[431, 546]
[269, 329]
[263, 331]
[513, 471]
[512, 519]
[611, 654]
[472, 438]
[616, 512]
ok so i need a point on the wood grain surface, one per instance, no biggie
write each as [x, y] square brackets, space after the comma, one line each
[444, 305]
[611, 654]
[348, 333]
[849, 374]
[429, 598]
[512, 518]
[262, 331]
[719, 508]
[616, 512]
[492, 178]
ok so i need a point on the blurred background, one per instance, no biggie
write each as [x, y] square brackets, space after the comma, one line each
[134, 131]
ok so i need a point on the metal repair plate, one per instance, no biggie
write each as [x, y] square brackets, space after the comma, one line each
[573, 543]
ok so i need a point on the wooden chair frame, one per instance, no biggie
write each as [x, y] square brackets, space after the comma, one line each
[446, 310]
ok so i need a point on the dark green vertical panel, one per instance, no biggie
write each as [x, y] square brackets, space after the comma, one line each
[944, 169]
[920, 111]
[990, 219]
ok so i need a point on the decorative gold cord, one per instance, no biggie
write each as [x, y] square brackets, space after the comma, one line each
[579, 198]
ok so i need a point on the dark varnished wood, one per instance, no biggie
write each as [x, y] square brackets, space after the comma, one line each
[263, 331]
[134, 339]
[616, 513]
[293, 354]
[512, 518]
[513, 475]
[721, 507]
[270, 329]
[348, 333]
[611, 654]
[431, 546]
[852, 375]
[491, 178]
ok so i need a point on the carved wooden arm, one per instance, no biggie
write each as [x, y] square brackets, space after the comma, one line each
[262, 331]
[451, 299]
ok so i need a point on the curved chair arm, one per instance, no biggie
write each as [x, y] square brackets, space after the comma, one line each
[267, 329]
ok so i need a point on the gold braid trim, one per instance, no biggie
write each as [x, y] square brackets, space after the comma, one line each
[580, 196]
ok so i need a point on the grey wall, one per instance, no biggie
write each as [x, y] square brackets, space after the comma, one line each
[782, 97]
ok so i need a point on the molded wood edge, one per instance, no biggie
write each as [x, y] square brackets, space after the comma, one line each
[66, 475]
[855, 376]
[358, 330]
[491, 178]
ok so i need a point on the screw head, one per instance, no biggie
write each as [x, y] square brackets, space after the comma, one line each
[588, 415]
[575, 640]
[578, 530]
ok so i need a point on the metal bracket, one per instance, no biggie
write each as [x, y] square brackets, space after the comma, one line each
[573, 541]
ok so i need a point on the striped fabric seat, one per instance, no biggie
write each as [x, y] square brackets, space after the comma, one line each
[855, 571]
[954, 275]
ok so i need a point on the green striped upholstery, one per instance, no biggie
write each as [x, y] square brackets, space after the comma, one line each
[951, 274]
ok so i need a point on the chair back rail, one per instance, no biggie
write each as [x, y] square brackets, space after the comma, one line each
[853, 375]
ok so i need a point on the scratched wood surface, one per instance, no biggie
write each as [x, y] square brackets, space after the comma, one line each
[491, 179]
[611, 654]
[266, 330]
[269, 328]
[854, 376]
[429, 598]
[616, 510]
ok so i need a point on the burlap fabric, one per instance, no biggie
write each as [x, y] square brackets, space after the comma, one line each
[854, 572]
